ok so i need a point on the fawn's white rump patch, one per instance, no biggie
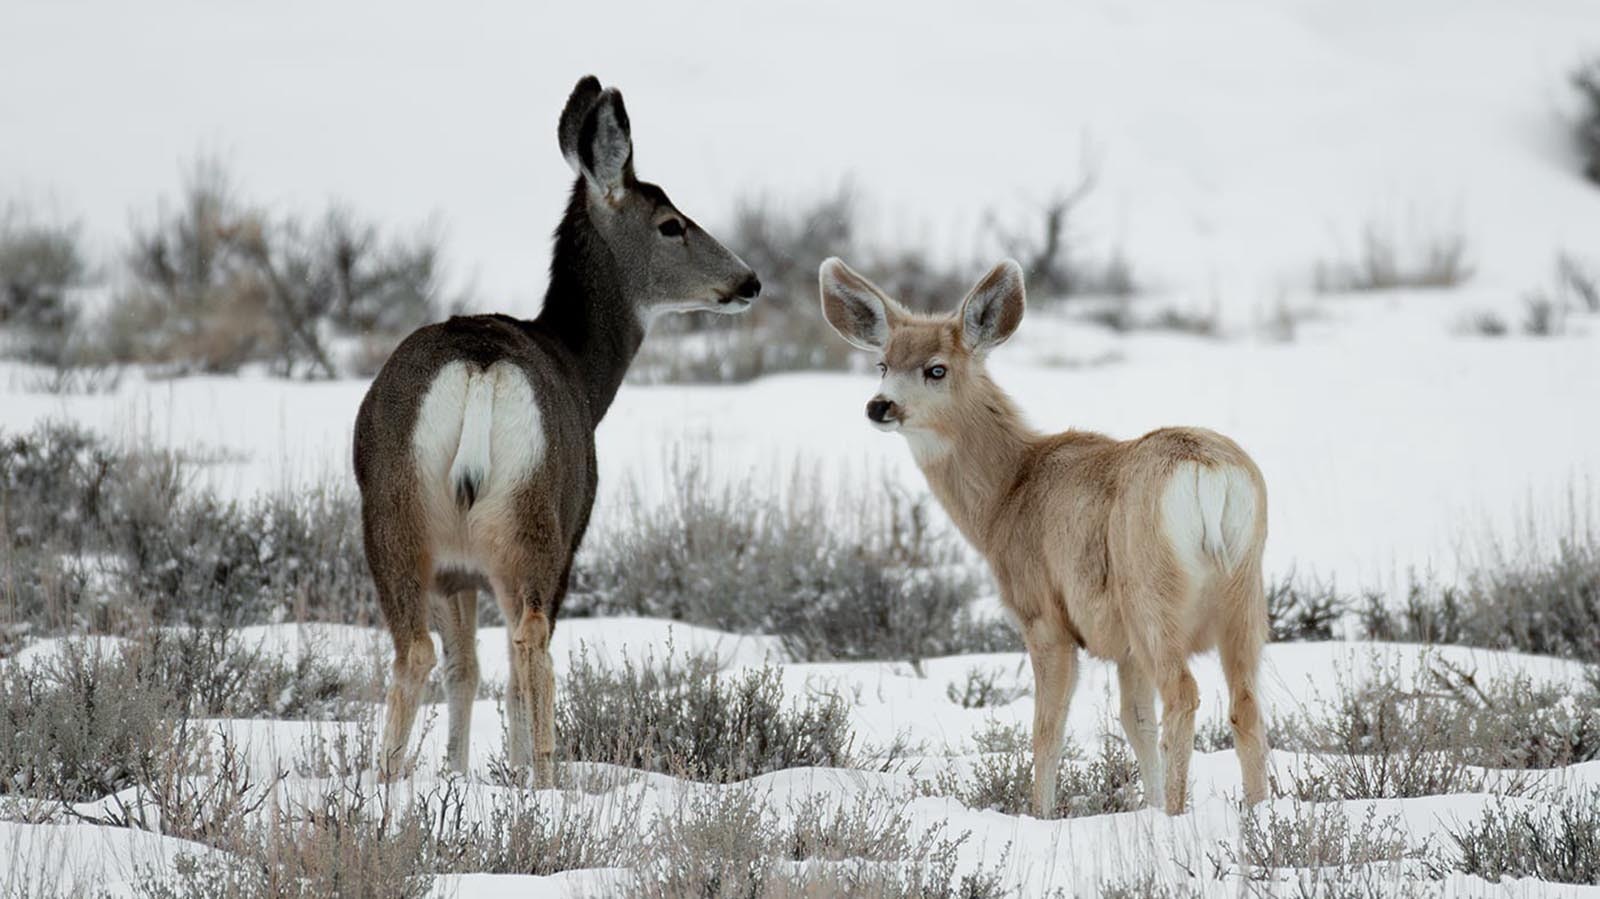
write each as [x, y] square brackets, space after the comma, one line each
[1208, 515]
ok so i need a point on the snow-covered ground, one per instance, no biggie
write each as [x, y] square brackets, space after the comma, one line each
[889, 699]
[1237, 145]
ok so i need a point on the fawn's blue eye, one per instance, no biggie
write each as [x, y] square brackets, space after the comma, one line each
[670, 228]
[883, 369]
[935, 372]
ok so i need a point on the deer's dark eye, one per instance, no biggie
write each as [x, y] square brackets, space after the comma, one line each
[883, 369]
[935, 372]
[670, 228]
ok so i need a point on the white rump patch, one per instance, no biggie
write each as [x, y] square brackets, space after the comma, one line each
[479, 434]
[1209, 515]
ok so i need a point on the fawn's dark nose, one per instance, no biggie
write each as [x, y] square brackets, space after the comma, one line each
[878, 410]
[750, 288]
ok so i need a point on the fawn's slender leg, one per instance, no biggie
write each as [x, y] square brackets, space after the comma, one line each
[1180, 697]
[1055, 672]
[1139, 722]
[1161, 650]
[1241, 644]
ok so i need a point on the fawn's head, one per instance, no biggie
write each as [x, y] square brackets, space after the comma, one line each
[666, 262]
[932, 365]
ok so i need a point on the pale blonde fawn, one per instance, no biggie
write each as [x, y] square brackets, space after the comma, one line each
[1143, 552]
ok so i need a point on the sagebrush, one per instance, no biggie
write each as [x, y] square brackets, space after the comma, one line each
[835, 582]
[684, 717]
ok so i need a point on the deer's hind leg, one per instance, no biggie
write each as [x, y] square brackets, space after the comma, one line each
[526, 583]
[401, 572]
[1162, 649]
[455, 616]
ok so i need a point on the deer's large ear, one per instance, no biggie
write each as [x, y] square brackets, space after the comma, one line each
[579, 102]
[993, 310]
[855, 307]
[605, 143]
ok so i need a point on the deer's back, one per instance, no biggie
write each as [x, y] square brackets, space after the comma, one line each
[1094, 516]
[477, 430]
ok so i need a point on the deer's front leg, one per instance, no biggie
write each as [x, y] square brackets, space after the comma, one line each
[1055, 672]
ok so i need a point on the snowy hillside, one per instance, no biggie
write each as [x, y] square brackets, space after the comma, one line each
[1237, 143]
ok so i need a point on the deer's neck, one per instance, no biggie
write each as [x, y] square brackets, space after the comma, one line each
[586, 308]
[973, 458]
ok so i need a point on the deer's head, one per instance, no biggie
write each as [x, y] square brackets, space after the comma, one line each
[666, 262]
[932, 366]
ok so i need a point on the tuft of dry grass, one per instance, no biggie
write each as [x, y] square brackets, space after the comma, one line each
[985, 688]
[733, 845]
[1385, 262]
[1002, 777]
[1319, 849]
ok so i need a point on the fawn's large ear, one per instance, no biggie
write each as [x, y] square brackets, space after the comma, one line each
[855, 307]
[601, 147]
[992, 311]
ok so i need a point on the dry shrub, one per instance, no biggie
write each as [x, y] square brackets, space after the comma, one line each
[84, 725]
[41, 264]
[1302, 611]
[90, 720]
[835, 582]
[1577, 282]
[785, 244]
[216, 283]
[1586, 130]
[105, 539]
[1559, 843]
[1543, 603]
[685, 718]
[1431, 736]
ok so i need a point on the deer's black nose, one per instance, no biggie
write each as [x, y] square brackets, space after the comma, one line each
[878, 410]
[750, 288]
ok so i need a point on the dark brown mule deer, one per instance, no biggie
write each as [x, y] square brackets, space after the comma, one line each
[474, 447]
[1141, 551]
